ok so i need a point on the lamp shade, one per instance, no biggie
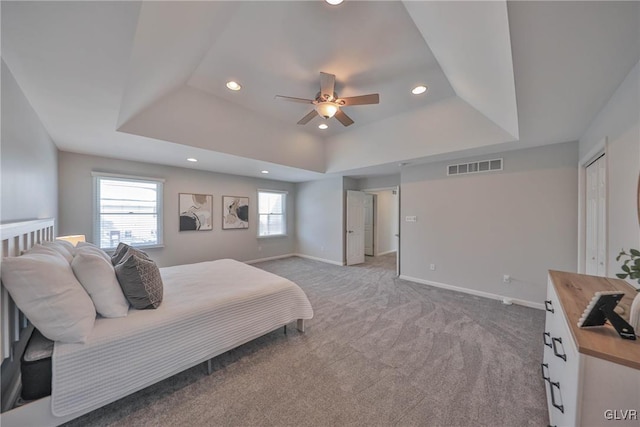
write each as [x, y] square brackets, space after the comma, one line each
[327, 109]
[73, 239]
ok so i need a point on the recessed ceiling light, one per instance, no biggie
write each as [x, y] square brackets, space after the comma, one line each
[418, 90]
[191, 159]
[323, 126]
[334, 2]
[264, 171]
[233, 85]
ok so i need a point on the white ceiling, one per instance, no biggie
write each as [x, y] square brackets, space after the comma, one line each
[146, 81]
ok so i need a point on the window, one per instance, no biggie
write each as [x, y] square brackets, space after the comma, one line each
[272, 218]
[128, 210]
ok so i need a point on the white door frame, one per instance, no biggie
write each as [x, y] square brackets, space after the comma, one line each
[598, 150]
[395, 188]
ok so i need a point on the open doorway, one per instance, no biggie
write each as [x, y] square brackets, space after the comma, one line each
[382, 237]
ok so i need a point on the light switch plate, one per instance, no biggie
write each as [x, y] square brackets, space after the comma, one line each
[410, 218]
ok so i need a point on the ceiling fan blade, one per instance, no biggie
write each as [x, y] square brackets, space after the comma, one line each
[343, 118]
[327, 85]
[291, 98]
[306, 119]
[373, 98]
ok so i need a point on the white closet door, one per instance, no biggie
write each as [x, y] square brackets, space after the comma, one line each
[596, 238]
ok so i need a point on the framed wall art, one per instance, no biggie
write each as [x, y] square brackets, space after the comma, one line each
[235, 212]
[196, 212]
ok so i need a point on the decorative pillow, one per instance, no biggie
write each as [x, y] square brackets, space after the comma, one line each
[119, 253]
[98, 277]
[93, 250]
[140, 281]
[45, 289]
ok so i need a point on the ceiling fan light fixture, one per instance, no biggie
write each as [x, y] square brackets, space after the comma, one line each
[334, 2]
[323, 126]
[419, 90]
[327, 109]
[233, 85]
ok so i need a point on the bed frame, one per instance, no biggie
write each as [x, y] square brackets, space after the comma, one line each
[15, 332]
[14, 328]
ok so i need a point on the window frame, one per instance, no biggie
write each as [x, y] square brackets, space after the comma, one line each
[283, 194]
[159, 182]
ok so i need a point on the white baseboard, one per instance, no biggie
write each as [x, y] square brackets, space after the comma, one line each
[271, 258]
[517, 301]
[328, 261]
[386, 252]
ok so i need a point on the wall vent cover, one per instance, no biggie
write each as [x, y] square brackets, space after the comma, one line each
[475, 167]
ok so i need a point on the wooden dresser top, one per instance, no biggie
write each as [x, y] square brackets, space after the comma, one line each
[575, 292]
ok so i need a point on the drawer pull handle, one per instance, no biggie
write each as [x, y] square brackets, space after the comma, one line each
[555, 349]
[548, 306]
[544, 338]
[545, 365]
[553, 396]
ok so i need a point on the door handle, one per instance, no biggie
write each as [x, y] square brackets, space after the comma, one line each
[350, 231]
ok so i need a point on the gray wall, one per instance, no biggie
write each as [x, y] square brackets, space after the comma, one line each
[319, 214]
[76, 209]
[619, 121]
[29, 159]
[475, 228]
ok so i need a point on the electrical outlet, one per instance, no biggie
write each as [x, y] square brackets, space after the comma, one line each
[432, 267]
[506, 278]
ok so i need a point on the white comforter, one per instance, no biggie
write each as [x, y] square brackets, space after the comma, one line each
[208, 308]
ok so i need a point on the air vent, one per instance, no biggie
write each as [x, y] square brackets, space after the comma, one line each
[475, 167]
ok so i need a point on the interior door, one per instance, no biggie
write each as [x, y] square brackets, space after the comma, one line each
[369, 228]
[355, 227]
[596, 218]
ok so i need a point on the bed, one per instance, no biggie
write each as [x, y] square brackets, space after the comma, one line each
[208, 308]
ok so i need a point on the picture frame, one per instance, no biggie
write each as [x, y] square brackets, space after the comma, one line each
[195, 212]
[235, 213]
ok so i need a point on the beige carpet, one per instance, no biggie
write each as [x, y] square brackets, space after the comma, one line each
[379, 351]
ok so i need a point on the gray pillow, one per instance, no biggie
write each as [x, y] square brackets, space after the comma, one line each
[119, 253]
[123, 250]
[140, 280]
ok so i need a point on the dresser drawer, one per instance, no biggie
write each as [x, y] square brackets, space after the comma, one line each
[561, 364]
[557, 336]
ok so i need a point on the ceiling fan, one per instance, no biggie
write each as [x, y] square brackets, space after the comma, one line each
[327, 104]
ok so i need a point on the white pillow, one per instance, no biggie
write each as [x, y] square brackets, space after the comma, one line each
[94, 250]
[61, 248]
[98, 278]
[45, 289]
[67, 244]
[42, 249]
